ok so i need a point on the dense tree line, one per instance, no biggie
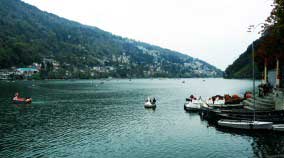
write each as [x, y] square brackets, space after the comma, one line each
[269, 46]
[28, 35]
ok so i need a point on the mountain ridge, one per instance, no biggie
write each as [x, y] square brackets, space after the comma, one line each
[29, 35]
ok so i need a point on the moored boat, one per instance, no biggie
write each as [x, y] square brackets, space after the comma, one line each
[278, 127]
[192, 106]
[214, 114]
[224, 100]
[275, 116]
[245, 124]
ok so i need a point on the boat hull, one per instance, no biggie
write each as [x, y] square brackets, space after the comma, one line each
[210, 112]
[214, 114]
[149, 105]
[278, 127]
[244, 124]
[27, 101]
[191, 107]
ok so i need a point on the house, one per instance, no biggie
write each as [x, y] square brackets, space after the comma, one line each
[27, 72]
[5, 74]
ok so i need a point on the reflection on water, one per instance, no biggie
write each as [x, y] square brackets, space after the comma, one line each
[264, 143]
[84, 118]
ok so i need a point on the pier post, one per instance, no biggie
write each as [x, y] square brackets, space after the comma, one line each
[277, 85]
[264, 81]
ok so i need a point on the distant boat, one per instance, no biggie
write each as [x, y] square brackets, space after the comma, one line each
[183, 81]
[246, 124]
[150, 103]
[24, 101]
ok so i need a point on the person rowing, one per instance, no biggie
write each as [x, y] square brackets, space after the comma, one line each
[18, 99]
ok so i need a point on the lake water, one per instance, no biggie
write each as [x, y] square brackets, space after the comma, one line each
[96, 118]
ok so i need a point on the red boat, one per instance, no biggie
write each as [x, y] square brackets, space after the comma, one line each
[18, 100]
[23, 101]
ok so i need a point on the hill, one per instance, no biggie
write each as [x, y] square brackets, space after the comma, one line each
[242, 67]
[268, 48]
[29, 35]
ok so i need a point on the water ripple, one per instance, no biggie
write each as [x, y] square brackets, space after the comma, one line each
[88, 119]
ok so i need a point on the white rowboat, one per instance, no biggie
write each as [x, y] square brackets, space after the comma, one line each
[148, 104]
[278, 127]
[193, 105]
[245, 124]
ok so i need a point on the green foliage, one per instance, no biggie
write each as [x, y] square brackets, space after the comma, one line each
[269, 46]
[36, 76]
[28, 35]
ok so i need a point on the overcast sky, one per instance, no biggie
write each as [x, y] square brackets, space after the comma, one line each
[211, 30]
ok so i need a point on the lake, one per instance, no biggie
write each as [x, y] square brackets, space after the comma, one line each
[107, 119]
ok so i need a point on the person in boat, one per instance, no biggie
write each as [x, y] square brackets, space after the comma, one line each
[192, 97]
[148, 99]
[267, 88]
[260, 90]
[248, 94]
[154, 100]
[213, 99]
[17, 97]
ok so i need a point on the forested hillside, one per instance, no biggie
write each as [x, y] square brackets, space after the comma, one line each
[269, 46]
[29, 35]
[242, 67]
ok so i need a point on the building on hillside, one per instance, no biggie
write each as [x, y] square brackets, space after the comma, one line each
[51, 63]
[26, 72]
[273, 73]
[5, 74]
[36, 65]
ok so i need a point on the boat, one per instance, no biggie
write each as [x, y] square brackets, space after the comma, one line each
[278, 127]
[210, 111]
[251, 124]
[236, 113]
[226, 106]
[150, 103]
[224, 100]
[23, 101]
[192, 105]
[245, 124]
[234, 99]
[215, 101]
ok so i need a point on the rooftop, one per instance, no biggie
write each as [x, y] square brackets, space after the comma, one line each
[27, 69]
